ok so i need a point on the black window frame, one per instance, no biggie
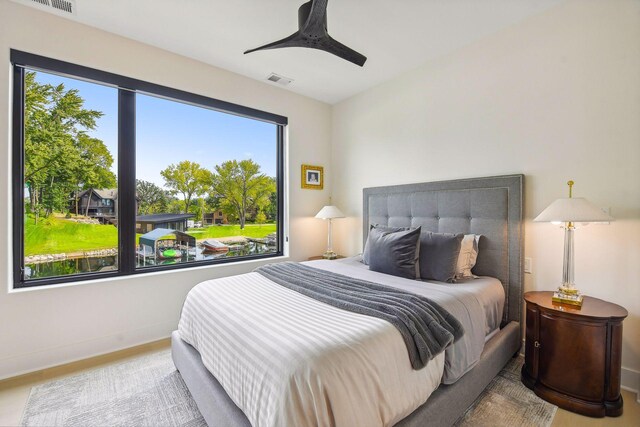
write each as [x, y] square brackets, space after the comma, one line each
[127, 89]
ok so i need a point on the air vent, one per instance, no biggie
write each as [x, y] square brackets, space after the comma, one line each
[63, 5]
[67, 6]
[276, 78]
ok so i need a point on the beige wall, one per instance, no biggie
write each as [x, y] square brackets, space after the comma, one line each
[555, 97]
[50, 326]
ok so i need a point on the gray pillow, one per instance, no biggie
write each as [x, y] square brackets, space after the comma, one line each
[365, 252]
[439, 255]
[394, 252]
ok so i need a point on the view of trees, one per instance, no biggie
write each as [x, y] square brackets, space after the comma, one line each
[238, 188]
[60, 158]
[151, 198]
[242, 189]
[188, 179]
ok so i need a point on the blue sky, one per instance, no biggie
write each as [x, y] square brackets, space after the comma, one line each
[168, 132]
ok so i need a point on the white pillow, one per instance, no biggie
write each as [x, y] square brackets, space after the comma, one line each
[468, 256]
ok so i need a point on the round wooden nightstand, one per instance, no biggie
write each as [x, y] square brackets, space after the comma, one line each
[315, 258]
[573, 355]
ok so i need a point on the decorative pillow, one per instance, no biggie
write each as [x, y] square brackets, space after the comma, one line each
[468, 256]
[439, 255]
[365, 252]
[393, 252]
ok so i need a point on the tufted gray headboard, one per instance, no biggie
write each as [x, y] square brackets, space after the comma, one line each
[489, 206]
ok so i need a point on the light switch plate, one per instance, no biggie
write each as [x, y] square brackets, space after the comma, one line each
[528, 265]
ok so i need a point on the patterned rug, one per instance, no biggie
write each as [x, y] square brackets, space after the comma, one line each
[507, 402]
[148, 391]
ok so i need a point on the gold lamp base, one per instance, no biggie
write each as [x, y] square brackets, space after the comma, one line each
[565, 295]
[329, 255]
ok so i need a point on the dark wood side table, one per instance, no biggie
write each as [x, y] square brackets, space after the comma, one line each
[572, 355]
[314, 258]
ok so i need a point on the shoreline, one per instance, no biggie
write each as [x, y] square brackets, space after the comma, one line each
[44, 258]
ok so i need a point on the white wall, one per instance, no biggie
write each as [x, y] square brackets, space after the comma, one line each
[556, 97]
[51, 326]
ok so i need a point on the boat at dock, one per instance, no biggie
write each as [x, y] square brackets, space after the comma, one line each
[212, 245]
[170, 253]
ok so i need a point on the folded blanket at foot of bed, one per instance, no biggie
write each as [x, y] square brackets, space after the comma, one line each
[426, 328]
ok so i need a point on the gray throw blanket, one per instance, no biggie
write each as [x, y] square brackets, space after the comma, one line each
[427, 328]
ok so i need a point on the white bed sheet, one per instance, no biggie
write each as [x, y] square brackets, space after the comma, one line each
[287, 359]
[477, 303]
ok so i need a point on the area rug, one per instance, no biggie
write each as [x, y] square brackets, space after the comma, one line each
[145, 391]
[507, 402]
[148, 391]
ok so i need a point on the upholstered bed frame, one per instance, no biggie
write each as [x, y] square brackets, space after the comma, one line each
[488, 206]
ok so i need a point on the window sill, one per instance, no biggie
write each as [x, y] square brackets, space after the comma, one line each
[253, 262]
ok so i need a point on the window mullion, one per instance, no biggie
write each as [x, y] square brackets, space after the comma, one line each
[126, 203]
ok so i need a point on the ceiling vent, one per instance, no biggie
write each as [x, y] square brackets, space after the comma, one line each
[67, 6]
[276, 78]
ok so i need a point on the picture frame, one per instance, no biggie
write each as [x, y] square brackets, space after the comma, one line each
[312, 177]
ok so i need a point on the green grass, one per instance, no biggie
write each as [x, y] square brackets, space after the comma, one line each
[256, 231]
[56, 235]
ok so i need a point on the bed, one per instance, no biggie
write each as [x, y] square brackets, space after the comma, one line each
[488, 206]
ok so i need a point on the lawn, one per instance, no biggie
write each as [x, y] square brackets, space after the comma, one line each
[56, 235]
[256, 231]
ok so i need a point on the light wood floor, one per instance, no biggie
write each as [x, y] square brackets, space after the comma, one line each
[14, 392]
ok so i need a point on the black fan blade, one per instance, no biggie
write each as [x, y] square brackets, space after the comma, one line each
[285, 42]
[335, 47]
[312, 33]
[316, 24]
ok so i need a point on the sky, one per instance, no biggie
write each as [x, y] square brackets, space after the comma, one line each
[168, 132]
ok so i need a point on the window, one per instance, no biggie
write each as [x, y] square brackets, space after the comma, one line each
[116, 176]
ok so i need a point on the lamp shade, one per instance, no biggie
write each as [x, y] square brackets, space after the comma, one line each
[329, 212]
[574, 209]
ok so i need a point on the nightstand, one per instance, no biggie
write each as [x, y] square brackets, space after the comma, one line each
[573, 355]
[315, 258]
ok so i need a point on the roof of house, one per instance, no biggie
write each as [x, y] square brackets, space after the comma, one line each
[152, 237]
[105, 193]
[155, 218]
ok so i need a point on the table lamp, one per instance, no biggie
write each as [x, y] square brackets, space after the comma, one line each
[570, 211]
[329, 212]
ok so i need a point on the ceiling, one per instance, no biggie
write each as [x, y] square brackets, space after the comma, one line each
[396, 36]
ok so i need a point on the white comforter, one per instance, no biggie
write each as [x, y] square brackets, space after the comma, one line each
[288, 360]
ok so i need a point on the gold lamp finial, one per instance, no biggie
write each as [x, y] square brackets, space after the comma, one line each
[570, 184]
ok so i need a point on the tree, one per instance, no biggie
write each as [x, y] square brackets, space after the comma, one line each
[59, 157]
[242, 188]
[271, 210]
[151, 198]
[261, 218]
[187, 178]
[92, 168]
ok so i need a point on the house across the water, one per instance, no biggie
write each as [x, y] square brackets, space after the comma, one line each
[147, 223]
[101, 204]
[215, 218]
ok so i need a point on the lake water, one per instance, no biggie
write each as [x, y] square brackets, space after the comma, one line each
[68, 267]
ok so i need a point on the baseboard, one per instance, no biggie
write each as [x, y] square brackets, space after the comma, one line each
[52, 357]
[630, 381]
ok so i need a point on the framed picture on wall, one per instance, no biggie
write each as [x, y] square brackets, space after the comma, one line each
[312, 177]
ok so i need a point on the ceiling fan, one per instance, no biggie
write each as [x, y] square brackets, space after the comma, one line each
[312, 33]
